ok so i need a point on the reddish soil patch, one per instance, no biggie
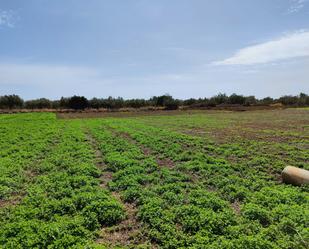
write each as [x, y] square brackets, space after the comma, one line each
[236, 207]
[146, 150]
[12, 201]
[105, 178]
[165, 162]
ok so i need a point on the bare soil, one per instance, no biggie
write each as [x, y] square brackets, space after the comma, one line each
[70, 114]
[128, 232]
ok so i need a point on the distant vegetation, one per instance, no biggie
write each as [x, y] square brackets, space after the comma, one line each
[166, 101]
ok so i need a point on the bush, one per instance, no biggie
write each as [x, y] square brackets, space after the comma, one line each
[38, 104]
[78, 102]
[236, 99]
[174, 105]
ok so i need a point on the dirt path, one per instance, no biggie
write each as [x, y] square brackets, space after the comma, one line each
[162, 162]
[128, 231]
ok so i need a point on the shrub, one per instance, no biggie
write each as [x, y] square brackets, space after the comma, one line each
[78, 102]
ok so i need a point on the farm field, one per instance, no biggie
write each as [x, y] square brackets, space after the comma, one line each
[201, 179]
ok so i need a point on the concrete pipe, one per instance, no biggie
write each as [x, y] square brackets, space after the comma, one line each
[295, 176]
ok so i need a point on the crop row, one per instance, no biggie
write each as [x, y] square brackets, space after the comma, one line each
[64, 205]
[24, 139]
[189, 191]
[281, 138]
[204, 199]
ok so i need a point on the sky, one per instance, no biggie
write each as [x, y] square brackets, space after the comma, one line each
[143, 48]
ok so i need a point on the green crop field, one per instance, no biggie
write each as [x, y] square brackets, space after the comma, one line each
[200, 179]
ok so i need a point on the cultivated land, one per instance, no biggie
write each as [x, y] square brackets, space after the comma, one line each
[201, 179]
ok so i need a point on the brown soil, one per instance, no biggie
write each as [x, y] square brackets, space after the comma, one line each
[93, 113]
[236, 207]
[15, 199]
[165, 162]
[129, 231]
[82, 115]
[267, 126]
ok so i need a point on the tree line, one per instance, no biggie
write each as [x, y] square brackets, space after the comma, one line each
[166, 101]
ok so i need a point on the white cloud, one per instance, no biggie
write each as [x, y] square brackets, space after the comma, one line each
[7, 18]
[287, 47]
[296, 6]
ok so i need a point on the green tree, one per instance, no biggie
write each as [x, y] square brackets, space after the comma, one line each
[78, 102]
[11, 101]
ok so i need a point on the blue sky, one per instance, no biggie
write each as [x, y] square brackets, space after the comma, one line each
[142, 48]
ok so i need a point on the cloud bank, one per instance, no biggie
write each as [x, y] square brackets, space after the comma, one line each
[287, 47]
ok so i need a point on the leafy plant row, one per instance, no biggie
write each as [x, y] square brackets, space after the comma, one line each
[64, 206]
[24, 139]
[265, 214]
